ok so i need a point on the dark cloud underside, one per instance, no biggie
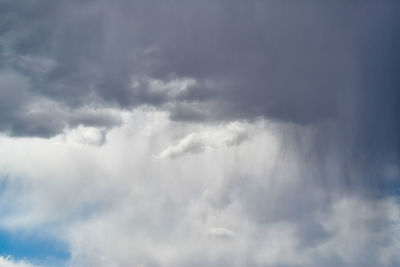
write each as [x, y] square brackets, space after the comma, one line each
[306, 63]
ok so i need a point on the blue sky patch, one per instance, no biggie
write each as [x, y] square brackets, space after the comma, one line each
[38, 248]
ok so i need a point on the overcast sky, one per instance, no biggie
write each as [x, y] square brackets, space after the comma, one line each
[199, 133]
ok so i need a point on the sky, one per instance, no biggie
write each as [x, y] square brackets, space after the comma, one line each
[212, 133]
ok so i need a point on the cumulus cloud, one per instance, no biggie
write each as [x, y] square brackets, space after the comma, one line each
[241, 55]
[27, 114]
[208, 61]
[288, 111]
[221, 207]
[230, 135]
[87, 135]
[9, 262]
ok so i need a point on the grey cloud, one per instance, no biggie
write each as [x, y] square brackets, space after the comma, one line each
[220, 233]
[245, 53]
[325, 72]
[291, 62]
[26, 114]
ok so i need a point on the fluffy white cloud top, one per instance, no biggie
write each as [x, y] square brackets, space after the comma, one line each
[251, 203]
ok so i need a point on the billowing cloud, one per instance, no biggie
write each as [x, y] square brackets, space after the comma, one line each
[26, 114]
[232, 134]
[306, 64]
[220, 207]
[202, 133]
[8, 262]
[241, 55]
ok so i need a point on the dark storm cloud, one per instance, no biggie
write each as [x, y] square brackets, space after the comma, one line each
[326, 72]
[290, 61]
[293, 62]
[287, 61]
[25, 114]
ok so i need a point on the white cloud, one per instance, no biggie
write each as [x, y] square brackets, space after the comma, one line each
[115, 205]
[220, 233]
[308, 189]
[87, 135]
[231, 134]
[9, 262]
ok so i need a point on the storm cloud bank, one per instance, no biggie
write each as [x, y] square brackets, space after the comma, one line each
[261, 126]
[295, 62]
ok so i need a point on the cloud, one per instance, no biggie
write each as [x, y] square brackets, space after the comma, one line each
[297, 64]
[9, 262]
[27, 114]
[87, 135]
[222, 207]
[288, 111]
[36, 64]
[240, 56]
[230, 135]
[245, 59]
[305, 65]
[220, 233]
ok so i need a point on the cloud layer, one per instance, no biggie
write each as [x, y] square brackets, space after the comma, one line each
[254, 204]
[291, 62]
[202, 133]
[297, 63]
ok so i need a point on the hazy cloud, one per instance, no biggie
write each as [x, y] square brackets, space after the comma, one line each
[216, 208]
[289, 112]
